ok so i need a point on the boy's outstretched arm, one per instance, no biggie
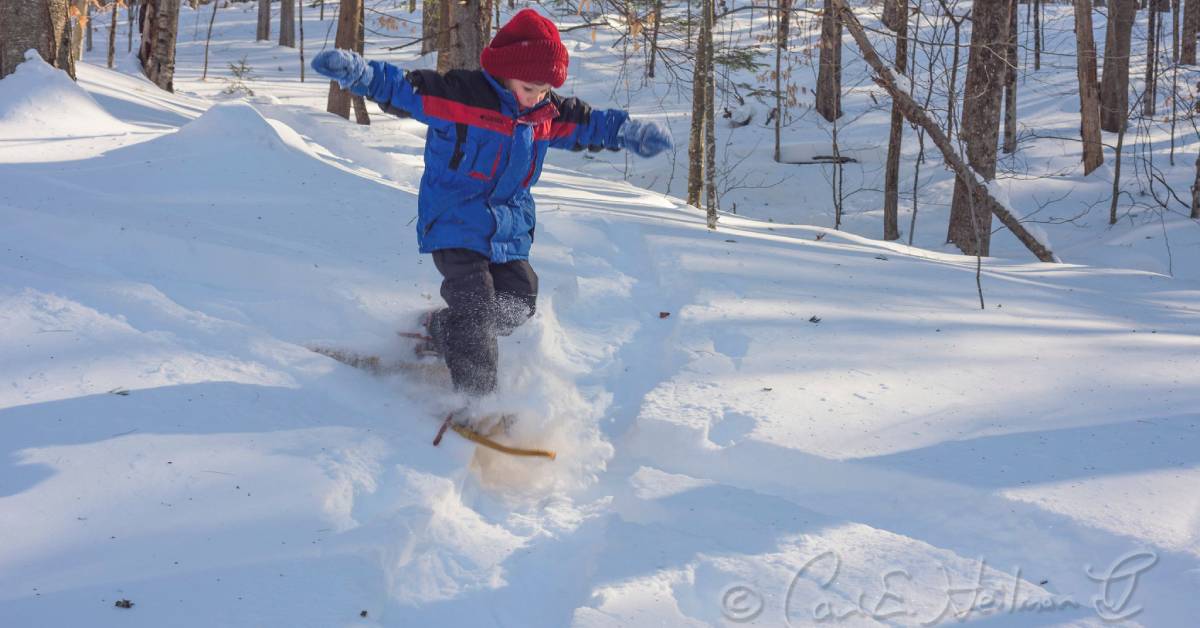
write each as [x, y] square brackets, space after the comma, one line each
[579, 127]
[378, 81]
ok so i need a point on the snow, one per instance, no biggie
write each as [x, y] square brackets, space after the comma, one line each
[823, 425]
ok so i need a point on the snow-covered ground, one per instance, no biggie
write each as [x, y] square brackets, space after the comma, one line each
[771, 424]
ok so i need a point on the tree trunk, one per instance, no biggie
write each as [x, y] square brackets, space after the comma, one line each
[915, 114]
[696, 137]
[952, 85]
[891, 186]
[1150, 99]
[1196, 192]
[1114, 83]
[654, 38]
[1010, 82]
[1191, 20]
[76, 17]
[468, 31]
[208, 40]
[1089, 90]
[345, 39]
[360, 104]
[1175, 30]
[1037, 35]
[129, 11]
[895, 14]
[300, 25]
[1116, 182]
[87, 25]
[429, 26]
[38, 24]
[112, 35]
[829, 75]
[970, 223]
[287, 23]
[157, 52]
[710, 105]
[264, 20]
[781, 44]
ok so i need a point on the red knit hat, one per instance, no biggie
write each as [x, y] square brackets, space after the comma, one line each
[527, 48]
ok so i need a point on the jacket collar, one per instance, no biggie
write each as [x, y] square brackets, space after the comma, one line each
[541, 112]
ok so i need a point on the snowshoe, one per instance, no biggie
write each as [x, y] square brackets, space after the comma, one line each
[434, 373]
[460, 423]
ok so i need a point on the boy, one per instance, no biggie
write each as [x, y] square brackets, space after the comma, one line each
[488, 134]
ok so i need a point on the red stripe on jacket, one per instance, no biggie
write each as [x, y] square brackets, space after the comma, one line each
[457, 112]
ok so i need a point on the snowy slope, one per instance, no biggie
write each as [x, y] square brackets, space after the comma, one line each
[814, 404]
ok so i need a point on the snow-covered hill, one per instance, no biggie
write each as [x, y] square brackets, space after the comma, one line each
[770, 424]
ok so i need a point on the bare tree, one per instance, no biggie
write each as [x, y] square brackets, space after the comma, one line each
[264, 20]
[1196, 192]
[1175, 5]
[430, 31]
[129, 11]
[1150, 97]
[38, 24]
[781, 44]
[468, 30]
[1037, 34]
[300, 23]
[653, 37]
[77, 18]
[970, 226]
[360, 104]
[829, 74]
[1191, 20]
[915, 114]
[696, 143]
[287, 23]
[157, 53]
[952, 83]
[208, 40]
[1010, 82]
[112, 34]
[891, 188]
[710, 106]
[892, 17]
[1089, 90]
[1114, 83]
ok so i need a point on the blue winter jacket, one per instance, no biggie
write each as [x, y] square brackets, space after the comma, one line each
[482, 155]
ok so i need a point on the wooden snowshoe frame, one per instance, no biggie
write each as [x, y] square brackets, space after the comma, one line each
[486, 440]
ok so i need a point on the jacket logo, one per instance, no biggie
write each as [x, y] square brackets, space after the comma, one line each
[491, 118]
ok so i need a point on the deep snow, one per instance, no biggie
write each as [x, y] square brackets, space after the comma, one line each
[815, 403]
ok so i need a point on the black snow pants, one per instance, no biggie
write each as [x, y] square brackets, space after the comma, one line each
[484, 300]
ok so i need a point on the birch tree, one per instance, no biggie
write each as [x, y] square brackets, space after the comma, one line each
[1010, 81]
[696, 134]
[159, 31]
